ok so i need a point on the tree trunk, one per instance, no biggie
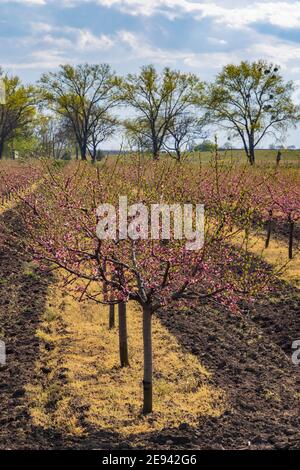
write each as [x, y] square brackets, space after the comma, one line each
[13, 155]
[1, 149]
[269, 229]
[155, 148]
[83, 150]
[148, 366]
[251, 151]
[94, 156]
[111, 317]
[291, 237]
[178, 155]
[123, 335]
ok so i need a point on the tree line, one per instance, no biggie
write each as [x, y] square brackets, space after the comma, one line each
[80, 107]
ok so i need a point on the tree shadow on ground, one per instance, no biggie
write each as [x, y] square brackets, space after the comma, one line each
[247, 355]
[249, 364]
[23, 295]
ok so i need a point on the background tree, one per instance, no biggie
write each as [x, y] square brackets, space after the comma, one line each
[17, 112]
[227, 146]
[251, 100]
[182, 130]
[157, 100]
[205, 146]
[83, 95]
[101, 130]
[55, 138]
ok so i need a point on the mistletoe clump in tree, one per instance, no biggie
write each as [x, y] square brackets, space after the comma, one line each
[251, 101]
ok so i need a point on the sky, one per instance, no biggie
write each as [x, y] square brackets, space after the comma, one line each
[195, 36]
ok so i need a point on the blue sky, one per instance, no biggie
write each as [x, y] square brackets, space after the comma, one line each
[196, 36]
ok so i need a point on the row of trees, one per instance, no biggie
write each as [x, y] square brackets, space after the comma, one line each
[60, 220]
[76, 106]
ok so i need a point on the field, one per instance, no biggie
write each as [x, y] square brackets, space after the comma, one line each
[224, 317]
[263, 157]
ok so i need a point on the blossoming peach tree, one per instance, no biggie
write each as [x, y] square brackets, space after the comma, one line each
[113, 256]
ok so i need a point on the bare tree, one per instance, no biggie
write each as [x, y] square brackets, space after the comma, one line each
[54, 137]
[183, 130]
[101, 130]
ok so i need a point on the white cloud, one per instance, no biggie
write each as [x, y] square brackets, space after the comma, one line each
[72, 44]
[279, 13]
[283, 14]
[46, 59]
[26, 2]
[41, 27]
[57, 42]
[216, 41]
[88, 41]
[232, 13]
[143, 51]
[278, 52]
[209, 63]
[66, 37]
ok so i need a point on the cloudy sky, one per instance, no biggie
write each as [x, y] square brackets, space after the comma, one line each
[38, 35]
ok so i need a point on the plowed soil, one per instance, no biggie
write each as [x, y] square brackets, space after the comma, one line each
[249, 356]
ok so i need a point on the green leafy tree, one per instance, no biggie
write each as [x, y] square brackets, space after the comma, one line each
[205, 146]
[83, 95]
[17, 110]
[157, 99]
[251, 100]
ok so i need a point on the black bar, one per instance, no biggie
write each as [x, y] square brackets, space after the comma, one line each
[139, 458]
